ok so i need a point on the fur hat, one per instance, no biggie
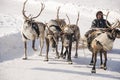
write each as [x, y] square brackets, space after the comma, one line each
[99, 12]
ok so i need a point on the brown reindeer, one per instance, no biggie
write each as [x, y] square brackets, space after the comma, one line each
[101, 41]
[32, 30]
[76, 34]
[53, 33]
[67, 38]
[70, 33]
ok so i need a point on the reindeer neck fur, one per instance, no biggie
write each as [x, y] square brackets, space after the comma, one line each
[28, 30]
[105, 41]
[112, 34]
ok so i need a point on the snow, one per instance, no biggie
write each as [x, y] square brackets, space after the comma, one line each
[12, 67]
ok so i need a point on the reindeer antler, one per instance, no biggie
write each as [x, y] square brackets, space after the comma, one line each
[118, 24]
[68, 19]
[77, 19]
[106, 19]
[114, 25]
[58, 13]
[23, 11]
[42, 8]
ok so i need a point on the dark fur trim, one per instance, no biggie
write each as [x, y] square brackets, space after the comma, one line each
[97, 42]
[57, 27]
[24, 36]
[110, 37]
[36, 28]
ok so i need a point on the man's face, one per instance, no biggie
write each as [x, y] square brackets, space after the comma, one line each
[99, 16]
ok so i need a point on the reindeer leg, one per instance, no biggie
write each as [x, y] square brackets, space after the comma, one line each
[66, 52]
[25, 51]
[33, 45]
[94, 65]
[76, 54]
[61, 55]
[105, 56]
[101, 61]
[69, 53]
[47, 50]
[41, 44]
[91, 62]
[57, 53]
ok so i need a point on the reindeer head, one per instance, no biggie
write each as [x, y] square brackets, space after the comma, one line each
[70, 32]
[67, 36]
[29, 19]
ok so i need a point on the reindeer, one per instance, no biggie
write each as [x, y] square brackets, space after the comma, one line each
[32, 30]
[101, 42]
[76, 35]
[67, 36]
[52, 38]
[53, 33]
[70, 33]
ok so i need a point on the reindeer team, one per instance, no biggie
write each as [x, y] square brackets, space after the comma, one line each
[57, 30]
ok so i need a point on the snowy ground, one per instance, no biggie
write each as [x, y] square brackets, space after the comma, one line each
[12, 67]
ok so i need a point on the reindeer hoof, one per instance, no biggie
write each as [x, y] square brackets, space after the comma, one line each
[40, 54]
[105, 68]
[91, 64]
[75, 56]
[102, 66]
[93, 71]
[70, 62]
[35, 49]
[24, 58]
[46, 60]
[64, 57]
